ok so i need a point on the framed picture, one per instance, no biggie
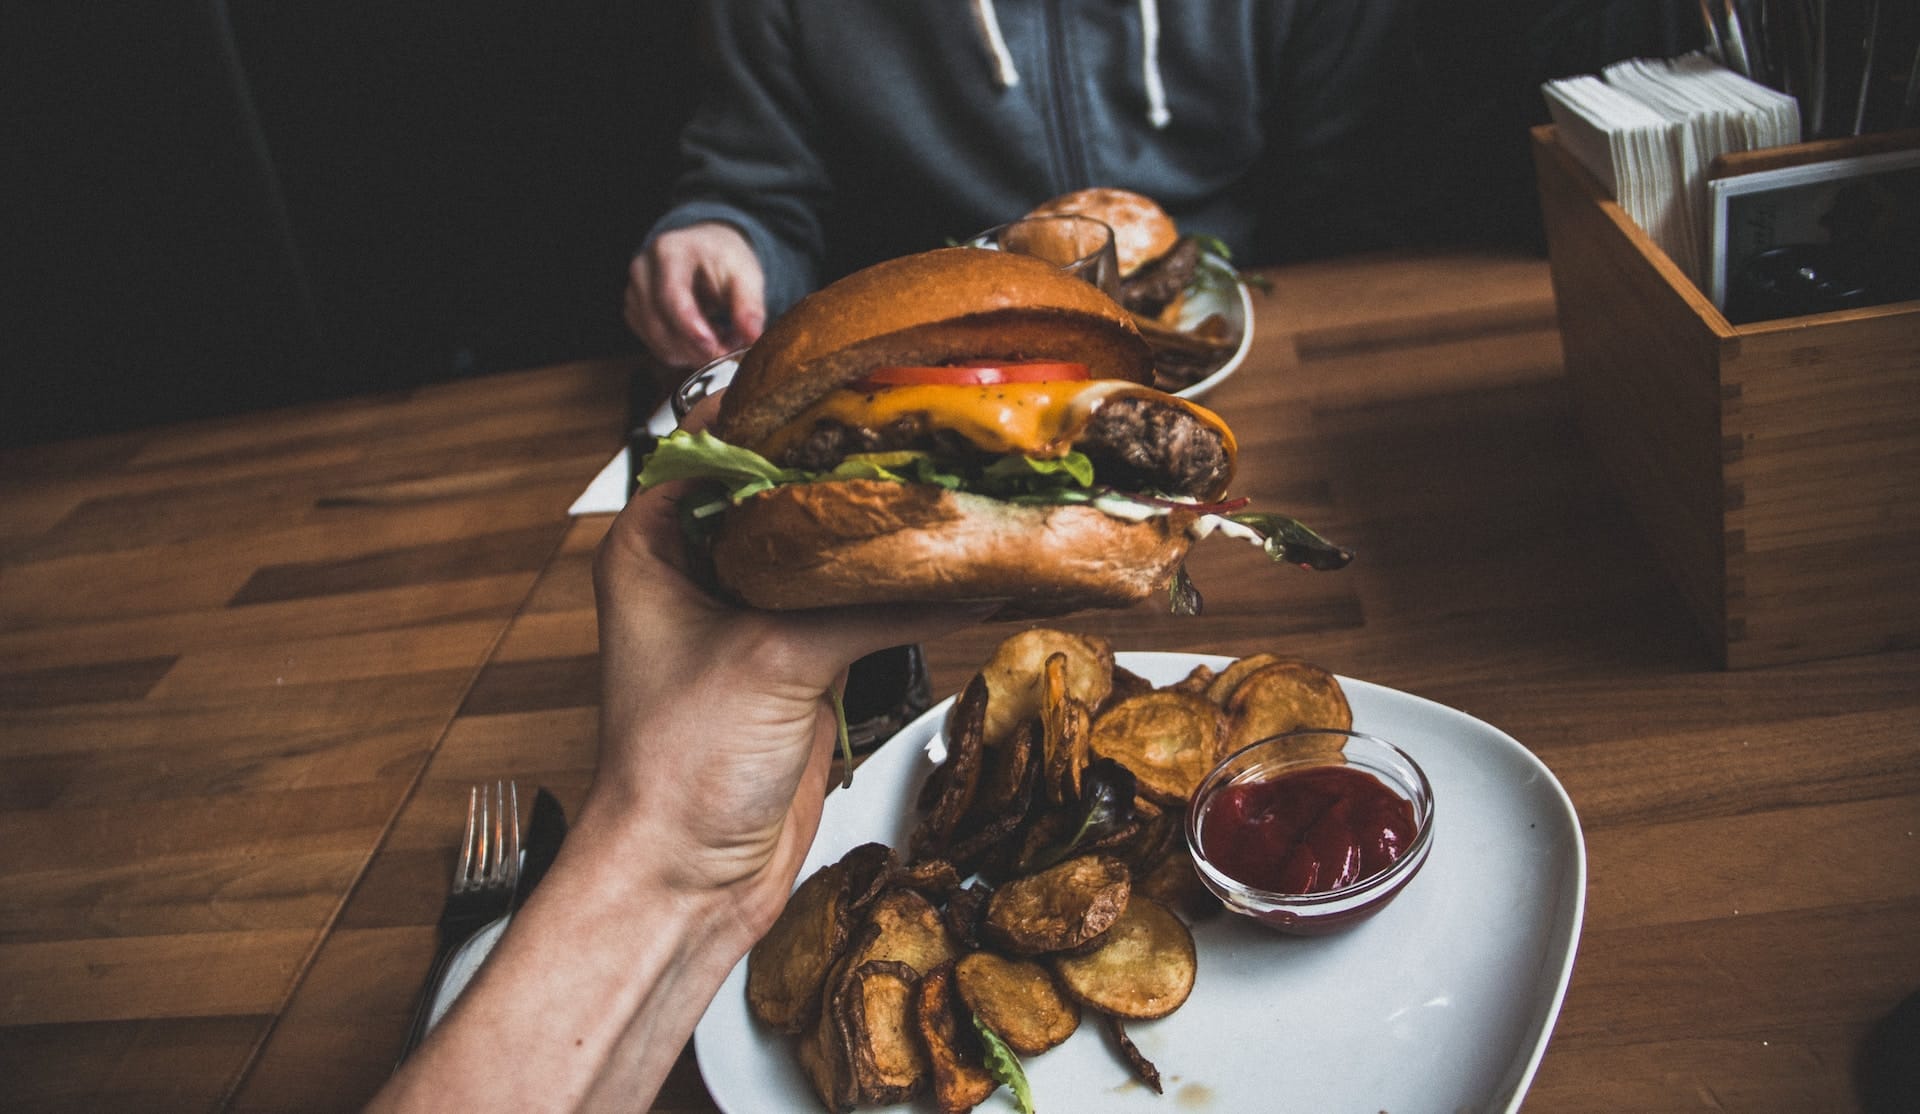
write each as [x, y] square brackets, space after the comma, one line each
[1821, 236]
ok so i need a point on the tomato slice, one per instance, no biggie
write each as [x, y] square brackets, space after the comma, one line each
[976, 373]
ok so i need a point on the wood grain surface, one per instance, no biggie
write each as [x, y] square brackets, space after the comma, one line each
[226, 828]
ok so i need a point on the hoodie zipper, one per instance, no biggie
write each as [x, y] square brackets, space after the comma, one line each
[1069, 150]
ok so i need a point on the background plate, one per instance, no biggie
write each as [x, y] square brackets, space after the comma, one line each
[1232, 301]
[1443, 1002]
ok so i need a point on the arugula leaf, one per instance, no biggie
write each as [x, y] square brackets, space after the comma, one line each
[1004, 1066]
[1290, 541]
[846, 741]
[1105, 805]
[1183, 596]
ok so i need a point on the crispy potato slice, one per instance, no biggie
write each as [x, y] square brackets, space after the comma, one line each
[987, 838]
[966, 907]
[1066, 725]
[960, 1079]
[788, 966]
[1142, 1067]
[959, 775]
[1281, 697]
[822, 1053]
[1004, 781]
[1063, 907]
[1014, 675]
[1170, 740]
[1173, 881]
[932, 878]
[1229, 678]
[870, 868]
[903, 926]
[1125, 683]
[1143, 968]
[874, 1008]
[1018, 999]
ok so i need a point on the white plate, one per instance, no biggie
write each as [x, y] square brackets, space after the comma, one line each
[1442, 1002]
[1232, 301]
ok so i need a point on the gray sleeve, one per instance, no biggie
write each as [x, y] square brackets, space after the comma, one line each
[750, 152]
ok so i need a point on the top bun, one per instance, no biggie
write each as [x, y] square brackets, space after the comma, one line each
[1142, 230]
[930, 308]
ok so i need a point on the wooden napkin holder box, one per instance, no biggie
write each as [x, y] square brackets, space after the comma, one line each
[1774, 467]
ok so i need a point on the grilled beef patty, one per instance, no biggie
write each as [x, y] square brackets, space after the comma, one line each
[1137, 444]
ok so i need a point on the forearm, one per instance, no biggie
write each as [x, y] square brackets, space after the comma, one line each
[592, 993]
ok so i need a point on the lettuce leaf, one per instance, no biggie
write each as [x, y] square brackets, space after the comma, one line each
[741, 473]
[702, 456]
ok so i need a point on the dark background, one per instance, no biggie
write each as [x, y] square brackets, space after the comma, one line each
[213, 207]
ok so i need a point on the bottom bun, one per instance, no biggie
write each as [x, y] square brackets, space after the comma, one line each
[873, 541]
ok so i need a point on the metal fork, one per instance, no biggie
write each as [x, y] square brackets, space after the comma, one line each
[483, 887]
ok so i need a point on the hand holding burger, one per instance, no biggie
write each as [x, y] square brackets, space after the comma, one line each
[960, 425]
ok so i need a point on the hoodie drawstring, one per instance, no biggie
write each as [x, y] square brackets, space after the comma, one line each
[1006, 75]
[1157, 112]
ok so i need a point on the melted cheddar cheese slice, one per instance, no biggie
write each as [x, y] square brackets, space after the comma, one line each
[1038, 419]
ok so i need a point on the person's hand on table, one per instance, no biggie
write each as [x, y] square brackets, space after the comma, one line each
[695, 294]
[717, 738]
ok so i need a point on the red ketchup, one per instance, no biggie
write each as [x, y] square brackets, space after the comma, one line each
[1309, 831]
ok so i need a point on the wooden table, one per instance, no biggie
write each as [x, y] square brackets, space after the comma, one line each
[248, 667]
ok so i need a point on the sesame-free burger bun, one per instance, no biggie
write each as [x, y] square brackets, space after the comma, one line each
[929, 308]
[872, 541]
[1142, 230]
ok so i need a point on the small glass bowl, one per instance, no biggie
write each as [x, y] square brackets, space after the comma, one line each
[1315, 914]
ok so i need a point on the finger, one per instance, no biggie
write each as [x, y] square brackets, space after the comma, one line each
[644, 317]
[747, 305]
[679, 303]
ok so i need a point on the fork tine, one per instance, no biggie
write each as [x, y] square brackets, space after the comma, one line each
[499, 833]
[513, 834]
[474, 821]
[489, 842]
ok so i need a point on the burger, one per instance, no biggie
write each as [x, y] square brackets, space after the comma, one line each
[960, 425]
[1157, 264]
[1160, 268]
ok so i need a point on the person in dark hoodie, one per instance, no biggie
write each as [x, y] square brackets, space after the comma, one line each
[836, 133]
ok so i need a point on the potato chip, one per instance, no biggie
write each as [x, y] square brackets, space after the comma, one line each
[1060, 908]
[1125, 683]
[1066, 724]
[1143, 968]
[1229, 678]
[874, 1009]
[902, 925]
[788, 966]
[1017, 999]
[1284, 696]
[1142, 1067]
[1170, 740]
[959, 775]
[1015, 672]
[960, 1080]
[823, 1060]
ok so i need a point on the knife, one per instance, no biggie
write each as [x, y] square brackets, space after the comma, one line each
[546, 830]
